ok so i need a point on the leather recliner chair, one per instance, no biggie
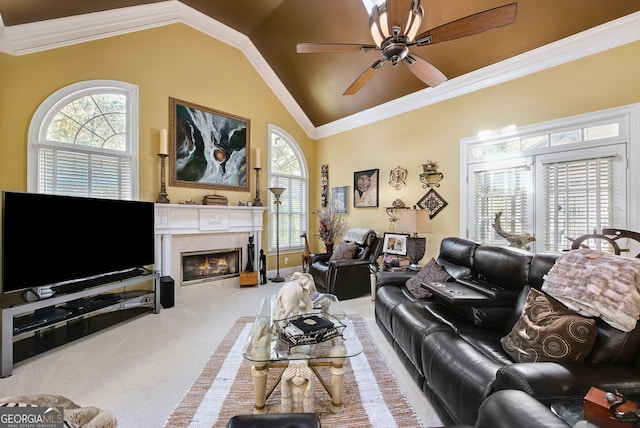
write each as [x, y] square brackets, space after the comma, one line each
[347, 278]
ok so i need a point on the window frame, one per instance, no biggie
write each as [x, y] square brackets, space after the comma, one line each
[628, 119]
[304, 177]
[58, 100]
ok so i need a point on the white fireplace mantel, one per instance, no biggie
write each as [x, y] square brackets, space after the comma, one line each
[219, 225]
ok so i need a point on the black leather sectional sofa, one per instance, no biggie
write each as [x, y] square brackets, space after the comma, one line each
[454, 350]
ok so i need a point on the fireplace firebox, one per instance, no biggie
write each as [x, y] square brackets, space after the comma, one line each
[208, 265]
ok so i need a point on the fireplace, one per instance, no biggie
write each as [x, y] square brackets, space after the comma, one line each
[184, 228]
[199, 266]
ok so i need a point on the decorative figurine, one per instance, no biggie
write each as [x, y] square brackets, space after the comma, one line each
[263, 267]
[306, 255]
[250, 247]
[517, 240]
[293, 295]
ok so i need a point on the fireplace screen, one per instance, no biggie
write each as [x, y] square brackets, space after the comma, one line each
[210, 265]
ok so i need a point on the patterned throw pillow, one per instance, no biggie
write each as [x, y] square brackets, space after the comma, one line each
[344, 250]
[548, 331]
[431, 272]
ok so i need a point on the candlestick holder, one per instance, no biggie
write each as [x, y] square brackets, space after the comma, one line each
[162, 197]
[256, 201]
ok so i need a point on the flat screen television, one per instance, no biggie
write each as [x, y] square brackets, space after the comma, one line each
[54, 241]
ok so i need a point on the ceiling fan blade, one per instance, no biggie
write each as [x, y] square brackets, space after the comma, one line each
[423, 70]
[469, 25]
[364, 78]
[333, 47]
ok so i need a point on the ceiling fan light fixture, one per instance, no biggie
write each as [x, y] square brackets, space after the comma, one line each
[371, 4]
[378, 25]
[414, 21]
[381, 29]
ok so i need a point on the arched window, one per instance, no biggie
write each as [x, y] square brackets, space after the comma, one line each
[288, 169]
[83, 141]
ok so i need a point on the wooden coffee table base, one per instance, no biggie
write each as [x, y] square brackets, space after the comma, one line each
[297, 384]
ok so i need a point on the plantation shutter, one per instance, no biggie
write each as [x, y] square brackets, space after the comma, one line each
[579, 198]
[77, 173]
[502, 190]
[291, 211]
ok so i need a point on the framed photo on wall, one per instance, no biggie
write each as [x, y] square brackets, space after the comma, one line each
[207, 148]
[340, 199]
[395, 243]
[365, 188]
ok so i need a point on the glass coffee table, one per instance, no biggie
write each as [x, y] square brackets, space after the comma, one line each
[267, 348]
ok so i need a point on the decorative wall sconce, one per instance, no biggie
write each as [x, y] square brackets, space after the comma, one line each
[398, 177]
[430, 176]
[397, 204]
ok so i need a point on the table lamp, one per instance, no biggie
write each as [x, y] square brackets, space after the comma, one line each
[415, 221]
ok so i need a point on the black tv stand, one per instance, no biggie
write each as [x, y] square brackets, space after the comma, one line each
[46, 317]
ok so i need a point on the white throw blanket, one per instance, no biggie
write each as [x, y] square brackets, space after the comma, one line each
[357, 235]
[594, 283]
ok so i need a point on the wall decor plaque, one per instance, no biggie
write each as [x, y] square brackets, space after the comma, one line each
[432, 202]
[398, 177]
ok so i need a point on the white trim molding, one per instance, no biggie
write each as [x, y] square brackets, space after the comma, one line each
[40, 36]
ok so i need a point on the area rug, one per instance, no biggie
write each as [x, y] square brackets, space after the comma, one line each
[371, 394]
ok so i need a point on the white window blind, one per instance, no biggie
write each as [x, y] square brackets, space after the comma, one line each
[291, 211]
[501, 190]
[84, 174]
[579, 196]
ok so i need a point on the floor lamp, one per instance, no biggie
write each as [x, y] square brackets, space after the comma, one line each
[415, 221]
[277, 191]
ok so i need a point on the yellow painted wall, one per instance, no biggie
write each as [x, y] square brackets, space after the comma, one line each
[172, 61]
[177, 61]
[594, 83]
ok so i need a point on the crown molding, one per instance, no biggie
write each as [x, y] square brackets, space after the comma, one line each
[45, 35]
[40, 36]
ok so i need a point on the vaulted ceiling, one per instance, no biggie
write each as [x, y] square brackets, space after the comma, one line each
[317, 81]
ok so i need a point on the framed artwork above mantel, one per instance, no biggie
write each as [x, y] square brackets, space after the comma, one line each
[207, 148]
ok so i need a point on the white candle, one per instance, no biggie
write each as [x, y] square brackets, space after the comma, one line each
[256, 162]
[164, 144]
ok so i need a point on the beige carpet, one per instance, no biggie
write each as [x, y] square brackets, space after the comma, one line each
[225, 388]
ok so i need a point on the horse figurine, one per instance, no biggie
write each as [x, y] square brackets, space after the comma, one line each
[306, 255]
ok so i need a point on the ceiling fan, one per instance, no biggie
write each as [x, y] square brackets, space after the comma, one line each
[394, 24]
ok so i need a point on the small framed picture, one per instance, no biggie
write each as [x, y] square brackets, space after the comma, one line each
[340, 199]
[395, 243]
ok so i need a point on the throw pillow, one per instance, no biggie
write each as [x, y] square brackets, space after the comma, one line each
[431, 272]
[548, 331]
[344, 250]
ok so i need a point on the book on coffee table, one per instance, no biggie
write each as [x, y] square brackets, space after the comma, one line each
[308, 330]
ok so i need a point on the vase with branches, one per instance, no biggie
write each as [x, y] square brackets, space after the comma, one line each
[331, 226]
